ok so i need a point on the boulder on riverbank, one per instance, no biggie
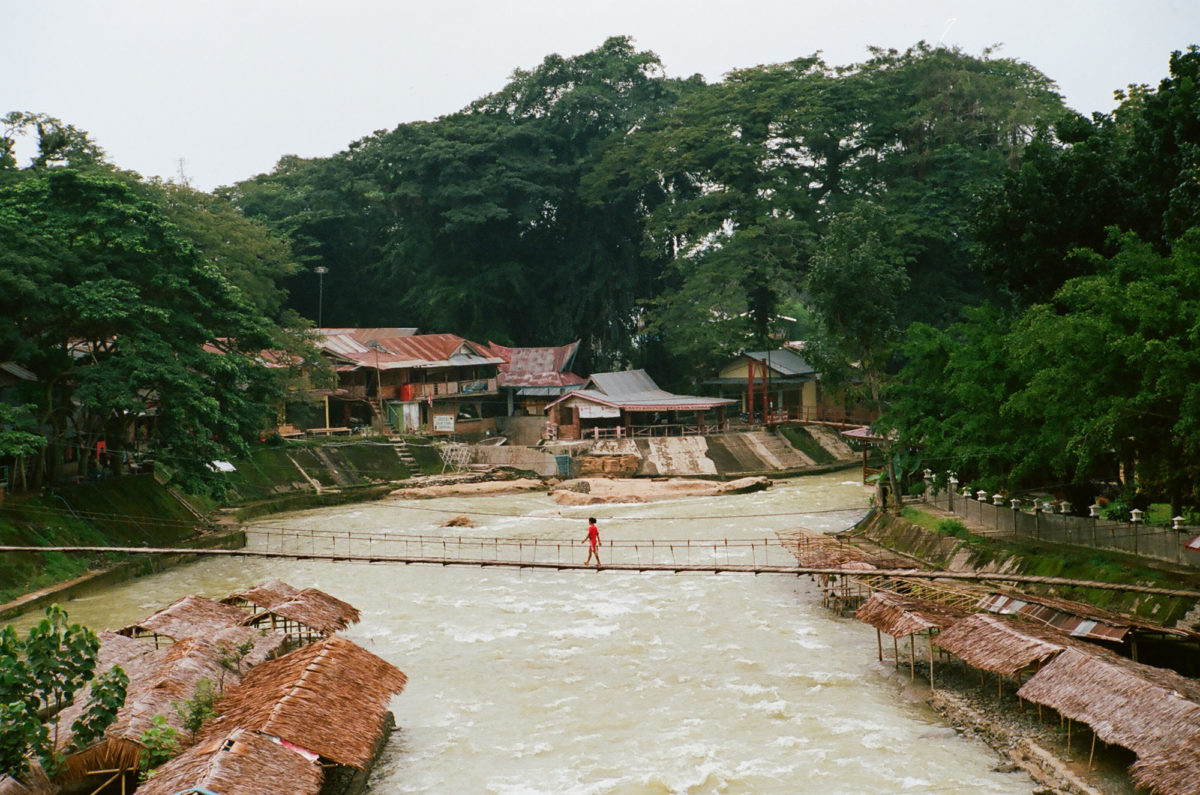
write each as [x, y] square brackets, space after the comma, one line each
[606, 490]
[464, 488]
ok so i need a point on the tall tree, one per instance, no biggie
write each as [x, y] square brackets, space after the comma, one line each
[119, 316]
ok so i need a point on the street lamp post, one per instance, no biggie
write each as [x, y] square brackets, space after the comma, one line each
[320, 270]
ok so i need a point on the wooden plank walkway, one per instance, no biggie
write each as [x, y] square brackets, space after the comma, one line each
[676, 568]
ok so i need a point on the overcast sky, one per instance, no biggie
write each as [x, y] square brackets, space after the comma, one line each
[229, 86]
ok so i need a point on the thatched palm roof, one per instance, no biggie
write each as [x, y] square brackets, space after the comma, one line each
[901, 616]
[240, 763]
[314, 609]
[34, 782]
[264, 595]
[1142, 708]
[330, 697]
[157, 681]
[1000, 645]
[1172, 771]
[190, 617]
[118, 649]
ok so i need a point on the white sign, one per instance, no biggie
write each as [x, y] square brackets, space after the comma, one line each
[592, 411]
[443, 422]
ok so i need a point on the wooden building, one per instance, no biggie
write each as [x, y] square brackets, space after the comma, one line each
[629, 403]
[781, 380]
[410, 382]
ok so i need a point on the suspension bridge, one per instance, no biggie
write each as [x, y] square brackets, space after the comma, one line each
[678, 556]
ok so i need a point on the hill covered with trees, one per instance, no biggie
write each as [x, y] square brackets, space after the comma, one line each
[1013, 285]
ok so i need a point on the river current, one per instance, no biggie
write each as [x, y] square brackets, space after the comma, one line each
[533, 681]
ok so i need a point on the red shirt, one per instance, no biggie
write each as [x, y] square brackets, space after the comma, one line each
[593, 535]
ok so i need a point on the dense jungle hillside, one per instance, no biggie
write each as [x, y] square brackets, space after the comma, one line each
[1011, 285]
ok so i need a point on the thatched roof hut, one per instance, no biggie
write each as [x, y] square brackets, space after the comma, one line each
[330, 697]
[33, 782]
[156, 681]
[1001, 645]
[239, 763]
[190, 617]
[264, 595]
[312, 609]
[1139, 707]
[901, 616]
[1172, 771]
[118, 649]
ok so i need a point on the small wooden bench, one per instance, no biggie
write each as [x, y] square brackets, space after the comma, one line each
[328, 431]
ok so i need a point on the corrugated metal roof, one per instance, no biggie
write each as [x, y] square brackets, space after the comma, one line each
[783, 361]
[555, 359]
[544, 391]
[1076, 626]
[17, 371]
[406, 351]
[665, 401]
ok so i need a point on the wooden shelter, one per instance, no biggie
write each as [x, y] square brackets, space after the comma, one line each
[1001, 645]
[33, 782]
[189, 617]
[307, 614]
[262, 595]
[1171, 771]
[301, 614]
[629, 403]
[1139, 707]
[157, 681]
[329, 698]
[239, 763]
[903, 617]
[1080, 620]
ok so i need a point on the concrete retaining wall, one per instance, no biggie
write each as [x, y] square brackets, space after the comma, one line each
[519, 457]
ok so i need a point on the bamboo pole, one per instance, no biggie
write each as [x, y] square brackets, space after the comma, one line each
[931, 686]
[1093, 751]
[912, 658]
[896, 650]
[879, 642]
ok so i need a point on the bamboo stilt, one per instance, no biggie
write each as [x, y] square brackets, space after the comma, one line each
[931, 687]
[879, 642]
[1092, 753]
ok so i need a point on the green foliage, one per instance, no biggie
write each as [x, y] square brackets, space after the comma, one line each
[805, 443]
[42, 673]
[199, 708]
[113, 307]
[159, 743]
[954, 528]
[231, 659]
[105, 697]
[16, 435]
[58, 144]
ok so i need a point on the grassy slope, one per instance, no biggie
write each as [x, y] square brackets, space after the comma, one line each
[129, 511]
[1050, 560]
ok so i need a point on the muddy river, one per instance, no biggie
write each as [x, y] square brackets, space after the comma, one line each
[532, 681]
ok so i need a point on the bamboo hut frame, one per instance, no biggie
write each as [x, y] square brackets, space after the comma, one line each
[157, 681]
[1145, 709]
[306, 616]
[901, 616]
[190, 617]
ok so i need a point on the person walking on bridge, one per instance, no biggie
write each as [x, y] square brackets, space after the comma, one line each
[593, 542]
